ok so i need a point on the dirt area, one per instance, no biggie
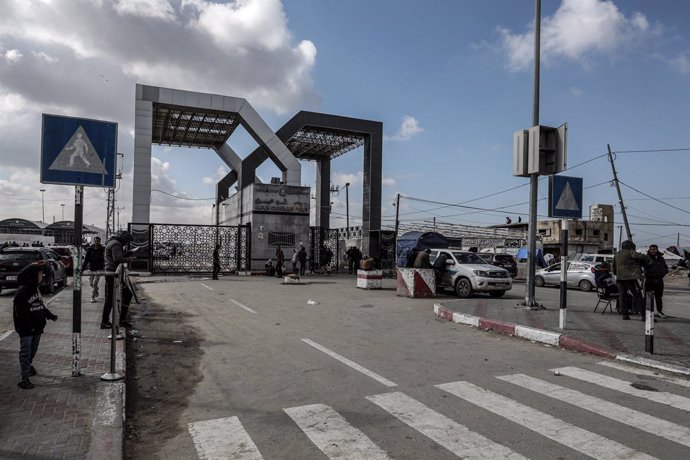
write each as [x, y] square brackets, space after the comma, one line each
[162, 373]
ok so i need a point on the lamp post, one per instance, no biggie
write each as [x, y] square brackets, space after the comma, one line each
[63, 210]
[43, 206]
[347, 208]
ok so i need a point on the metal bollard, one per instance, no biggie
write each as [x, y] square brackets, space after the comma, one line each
[649, 321]
[114, 336]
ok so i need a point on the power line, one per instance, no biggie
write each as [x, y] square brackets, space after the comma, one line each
[685, 149]
[181, 197]
[655, 199]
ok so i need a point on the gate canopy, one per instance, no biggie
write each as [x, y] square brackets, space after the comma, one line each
[419, 240]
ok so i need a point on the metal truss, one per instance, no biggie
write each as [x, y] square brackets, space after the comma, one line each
[191, 127]
[314, 143]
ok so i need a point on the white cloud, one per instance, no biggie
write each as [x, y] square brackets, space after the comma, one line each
[681, 63]
[44, 56]
[388, 182]
[341, 178]
[578, 30]
[409, 128]
[12, 56]
[575, 91]
[159, 9]
[221, 172]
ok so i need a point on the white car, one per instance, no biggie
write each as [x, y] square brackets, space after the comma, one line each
[467, 273]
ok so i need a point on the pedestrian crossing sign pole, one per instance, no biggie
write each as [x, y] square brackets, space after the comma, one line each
[79, 152]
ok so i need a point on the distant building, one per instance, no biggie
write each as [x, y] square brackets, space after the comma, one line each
[57, 233]
[584, 236]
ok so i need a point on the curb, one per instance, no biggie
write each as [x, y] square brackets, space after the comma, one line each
[551, 338]
[108, 424]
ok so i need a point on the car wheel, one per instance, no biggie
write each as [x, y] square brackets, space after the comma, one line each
[49, 286]
[63, 281]
[463, 288]
[585, 285]
[496, 293]
[539, 281]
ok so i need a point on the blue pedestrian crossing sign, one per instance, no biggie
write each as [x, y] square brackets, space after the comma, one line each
[78, 151]
[565, 197]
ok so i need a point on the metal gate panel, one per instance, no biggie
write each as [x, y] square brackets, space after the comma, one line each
[321, 238]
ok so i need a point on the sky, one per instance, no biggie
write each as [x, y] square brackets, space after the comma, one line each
[451, 80]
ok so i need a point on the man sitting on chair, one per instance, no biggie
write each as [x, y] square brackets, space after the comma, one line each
[604, 279]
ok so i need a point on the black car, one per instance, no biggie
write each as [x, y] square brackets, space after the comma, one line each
[501, 260]
[12, 260]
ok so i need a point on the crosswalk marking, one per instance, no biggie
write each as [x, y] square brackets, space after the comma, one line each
[444, 431]
[636, 419]
[636, 370]
[331, 433]
[576, 438]
[661, 397]
[352, 364]
[223, 438]
[242, 306]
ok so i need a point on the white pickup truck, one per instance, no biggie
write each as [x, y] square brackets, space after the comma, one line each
[467, 273]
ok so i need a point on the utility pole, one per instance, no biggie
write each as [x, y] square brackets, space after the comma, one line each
[620, 236]
[63, 210]
[620, 196]
[347, 208]
[117, 209]
[110, 214]
[397, 222]
[533, 178]
[43, 206]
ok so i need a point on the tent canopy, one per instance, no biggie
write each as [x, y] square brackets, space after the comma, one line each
[419, 240]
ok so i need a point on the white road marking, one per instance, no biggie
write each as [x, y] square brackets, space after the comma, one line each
[551, 427]
[636, 419]
[223, 438]
[352, 364]
[639, 371]
[453, 436]
[207, 287]
[331, 433]
[5, 335]
[661, 397]
[243, 306]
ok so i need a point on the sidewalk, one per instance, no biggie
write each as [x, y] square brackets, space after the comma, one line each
[63, 416]
[603, 334]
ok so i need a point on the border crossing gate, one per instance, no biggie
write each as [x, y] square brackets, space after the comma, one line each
[173, 248]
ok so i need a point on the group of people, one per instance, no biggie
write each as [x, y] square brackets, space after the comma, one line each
[420, 259]
[298, 261]
[30, 313]
[629, 267]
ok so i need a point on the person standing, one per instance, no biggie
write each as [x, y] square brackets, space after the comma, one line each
[627, 266]
[302, 258]
[94, 261]
[422, 259]
[293, 259]
[654, 278]
[114, 256]
[280, 261]
[29, 314]
[216, 262]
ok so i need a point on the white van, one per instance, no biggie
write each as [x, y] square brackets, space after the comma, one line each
[467, 273]
[593, 258]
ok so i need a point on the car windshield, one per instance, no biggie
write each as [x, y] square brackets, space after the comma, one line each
[504, 258]
[19, 256]
[468, 258]
[62, 251]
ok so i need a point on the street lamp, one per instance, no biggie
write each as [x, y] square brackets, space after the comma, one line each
[43, 205]
[63, 210]
[347, 208]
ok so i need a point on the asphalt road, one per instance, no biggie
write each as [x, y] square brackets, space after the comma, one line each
[250, 368]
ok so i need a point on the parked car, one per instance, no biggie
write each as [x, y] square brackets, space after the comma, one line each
[467, 273]
[580, 275]
[501, 260]
[12, 260]
[65, 253]
[594, 258]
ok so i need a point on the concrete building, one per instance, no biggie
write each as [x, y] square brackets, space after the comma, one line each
[595, 235]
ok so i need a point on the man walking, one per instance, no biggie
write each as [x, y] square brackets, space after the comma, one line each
[627, 266]
[280, 261]
[654, 278]
[216, 262]
[94, 261]
[302, 257]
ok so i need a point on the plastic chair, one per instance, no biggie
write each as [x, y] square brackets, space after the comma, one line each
[606, 299]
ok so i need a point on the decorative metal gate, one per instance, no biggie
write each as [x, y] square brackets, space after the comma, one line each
[321, 239]
[171, 248]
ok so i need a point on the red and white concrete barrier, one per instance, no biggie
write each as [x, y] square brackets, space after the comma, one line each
[370, 279]
[415, 282]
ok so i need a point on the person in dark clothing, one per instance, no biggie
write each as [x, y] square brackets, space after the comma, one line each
[354, 256]
[422, 260]
[216, 262]
[627, 266]
[114, 256]
[654, 278]
[94, 261]
[440, 266]
[280, 261]
[412, 257]
[30, 314]
[302, 258]
[604, 279]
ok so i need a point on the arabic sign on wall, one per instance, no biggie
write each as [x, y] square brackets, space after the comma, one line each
[288, 199]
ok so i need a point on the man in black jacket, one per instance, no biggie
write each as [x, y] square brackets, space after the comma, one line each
[94, 261]
[29, 319]
[654, 277]
[114, 256]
